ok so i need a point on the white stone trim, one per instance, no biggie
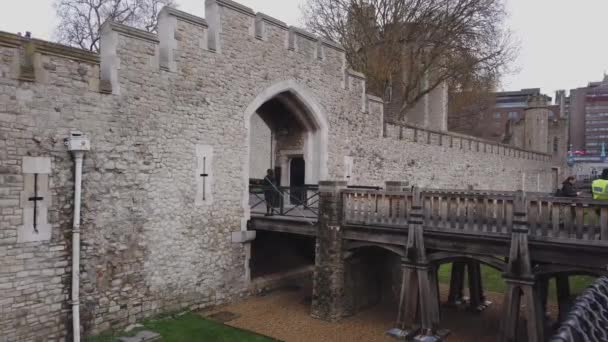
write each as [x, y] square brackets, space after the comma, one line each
[349, 163]
[33, 167]
[285, 157]
[40, 165]
[110, 62]
[167, 25]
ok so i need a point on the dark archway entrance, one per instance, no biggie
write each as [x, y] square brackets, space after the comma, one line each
[274, 253]
[372, 277]
[297, 172]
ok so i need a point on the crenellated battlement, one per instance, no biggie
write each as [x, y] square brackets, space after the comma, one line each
[262, 21]
[35, 60]
[228, 24]
[169, 34]
[179, 31]
[182, 38]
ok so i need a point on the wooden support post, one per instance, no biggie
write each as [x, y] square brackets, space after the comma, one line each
[410, 304]
[435, 301]
[477, 299]
[511, 306]
[543, 288]
[521, 282]
[420, 296]
[563, 295]
[455, 297]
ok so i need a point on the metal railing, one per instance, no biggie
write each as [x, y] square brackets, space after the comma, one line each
[290, 201]
[294, 201]
[587, 321]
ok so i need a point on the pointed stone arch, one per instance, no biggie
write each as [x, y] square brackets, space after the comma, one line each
[307, 109]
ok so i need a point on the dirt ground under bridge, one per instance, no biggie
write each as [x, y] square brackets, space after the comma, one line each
[284, 315]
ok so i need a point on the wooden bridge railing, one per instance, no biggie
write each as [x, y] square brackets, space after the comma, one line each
[550, 218]
[372, 207]
[558, 218]
[468, 212]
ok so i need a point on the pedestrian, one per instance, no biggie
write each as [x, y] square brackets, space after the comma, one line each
[269, 191]
[599, 187]
[569, 188]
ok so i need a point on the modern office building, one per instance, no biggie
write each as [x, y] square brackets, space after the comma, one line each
[589, 120]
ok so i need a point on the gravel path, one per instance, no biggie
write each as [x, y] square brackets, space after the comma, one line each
[284, 315]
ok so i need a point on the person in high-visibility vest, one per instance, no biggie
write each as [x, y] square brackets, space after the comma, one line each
[600, 187]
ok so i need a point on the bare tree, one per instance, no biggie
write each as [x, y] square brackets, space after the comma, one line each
[418, 44]
[81, 20]
[470, 99]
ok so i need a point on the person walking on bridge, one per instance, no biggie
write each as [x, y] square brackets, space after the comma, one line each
[269, 191]
[569, 188]
[600, 187]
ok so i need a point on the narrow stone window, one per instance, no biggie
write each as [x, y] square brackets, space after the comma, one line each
[348, 169]
[555, 144]
[35, 200]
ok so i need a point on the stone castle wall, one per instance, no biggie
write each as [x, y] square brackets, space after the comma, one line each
[149, 103]
[260, 137]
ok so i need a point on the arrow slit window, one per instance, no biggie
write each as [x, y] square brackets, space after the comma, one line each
[348, 169]
[204, 175]
[35, 200]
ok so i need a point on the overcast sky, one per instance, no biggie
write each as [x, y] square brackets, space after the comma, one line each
[563, 42]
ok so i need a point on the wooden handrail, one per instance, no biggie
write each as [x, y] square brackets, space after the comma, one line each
[550, 218]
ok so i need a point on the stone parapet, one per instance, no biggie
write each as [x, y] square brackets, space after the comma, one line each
[460, 141]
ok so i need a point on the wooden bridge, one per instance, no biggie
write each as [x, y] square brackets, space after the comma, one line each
[529, 237]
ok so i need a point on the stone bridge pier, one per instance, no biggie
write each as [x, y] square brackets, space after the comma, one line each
[328, 283]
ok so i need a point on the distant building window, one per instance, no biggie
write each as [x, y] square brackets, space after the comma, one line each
[555, 144]
[497, 115]
[513, 115]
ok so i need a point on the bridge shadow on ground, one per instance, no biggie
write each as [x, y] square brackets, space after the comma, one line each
[284, 314]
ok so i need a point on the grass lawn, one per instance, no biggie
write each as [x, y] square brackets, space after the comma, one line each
[189, 328]
[492, 281]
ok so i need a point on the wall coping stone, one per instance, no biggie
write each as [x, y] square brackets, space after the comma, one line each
[304, 34]
[271, 20]
[356, 74]
[375, 98]
[187, 17]
[131, 31]
[49, 48]
[332, 44]
[235, 6]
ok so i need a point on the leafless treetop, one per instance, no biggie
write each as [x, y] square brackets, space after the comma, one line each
[80, 20]
[428, 41]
